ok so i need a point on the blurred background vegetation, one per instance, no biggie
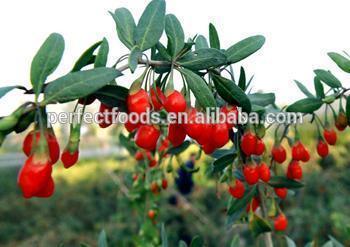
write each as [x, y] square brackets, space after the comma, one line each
[92, 196]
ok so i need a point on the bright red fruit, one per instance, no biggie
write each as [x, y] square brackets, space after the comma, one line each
[48, 190]
[279, 154]
[151, 214]
[154, 188]
[157, 98]
[164, 184]
[69, 159]
[175, 102]
[146, 137]
[206, 137]
[253, 205]
[322, 149]
[208, 148]
[281, 222]
[193, 129]
[264, 172]
[54, 148]
[281, 192]
[248, 143]
[130, 127]
[294, 170]
[35, 175]
[330, 135]
[260, 147]
[237, 191]
[231, 115]
[299, 152]
[105, 116]
[151, 159]
[176, 134]
[138, 156]
[251, 174]
[138, 102]
[220, 135]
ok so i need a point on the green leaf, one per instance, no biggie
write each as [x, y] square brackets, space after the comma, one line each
[328, 78]
[290, 242]
[244, 48]
[199, 88]
[5, 90]
[242, 82]
[175, 34]
[179, 149]
[319, 88]
[134, 56]
[347, 108]
[163, 51]
[197, 242]
[335, 242]
[86, 58]
[113, 96]
[220, 164]
[235, 241]
[239, 204]
[164, 237]
[182, 243]
[201, 43]
[218, 153]
[125, 26]
[231, 93]
[304, 90]
[151, 25]
[341, 61]
[24, 122]
[283, 182]
[214, 37]
[262, 99]
[78, 84]
[102, 55]
[308, 105]
[46, 61]
[102, 239]
[204, 58]
[259, 226]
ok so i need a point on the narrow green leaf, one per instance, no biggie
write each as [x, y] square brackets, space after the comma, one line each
[283, 182]
[220, 164]
[102, 55]
[259, 226]
[304, 90]
[307, 105]
[5, 90]
[235, 241]
[239, 204]
[125, 25]
[179, 149]
[134, 56]
[214, 37]
[244, 48]
[24, 122]
[164, 237]
[201, 42]
[328, 78]
[175, 34]
[151, 25]
[113, 96]
[335, 242]
[347, 108]
[46, 61]
[197, 242]
[86, 58]
[262, 99]
[102, 239]
[182, 244]
[242, 82]
[79, 84]
[231, 93]
[163, 52]
[319, 88]
[218, 153]
[290, 242]
[341, 61]
[199, 88]
[204, 58]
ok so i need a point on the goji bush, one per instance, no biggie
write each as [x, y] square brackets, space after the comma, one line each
[253, 174]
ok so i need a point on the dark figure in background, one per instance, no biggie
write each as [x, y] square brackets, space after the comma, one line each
[184, 182]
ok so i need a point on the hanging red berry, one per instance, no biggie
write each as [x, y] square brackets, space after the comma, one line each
[279, 154]
[220, 135]
[231, 115]
[157, 98]
[164, 184]
[105, 116]
[341, 122]
[69, 158]
[237, 191]
[138, 102]
[253, 205]
[330, 136]
[176, 134]
[251, 174]
[281, 223]
[175, 102]
[248, 143]
[147, 136]
[322, 149]
[260, 147]
[294, 170]
[281, 192]
[264, 172]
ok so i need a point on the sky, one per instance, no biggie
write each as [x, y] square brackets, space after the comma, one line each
[298, 35]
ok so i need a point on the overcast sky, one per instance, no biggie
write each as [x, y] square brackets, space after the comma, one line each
[298, 33]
